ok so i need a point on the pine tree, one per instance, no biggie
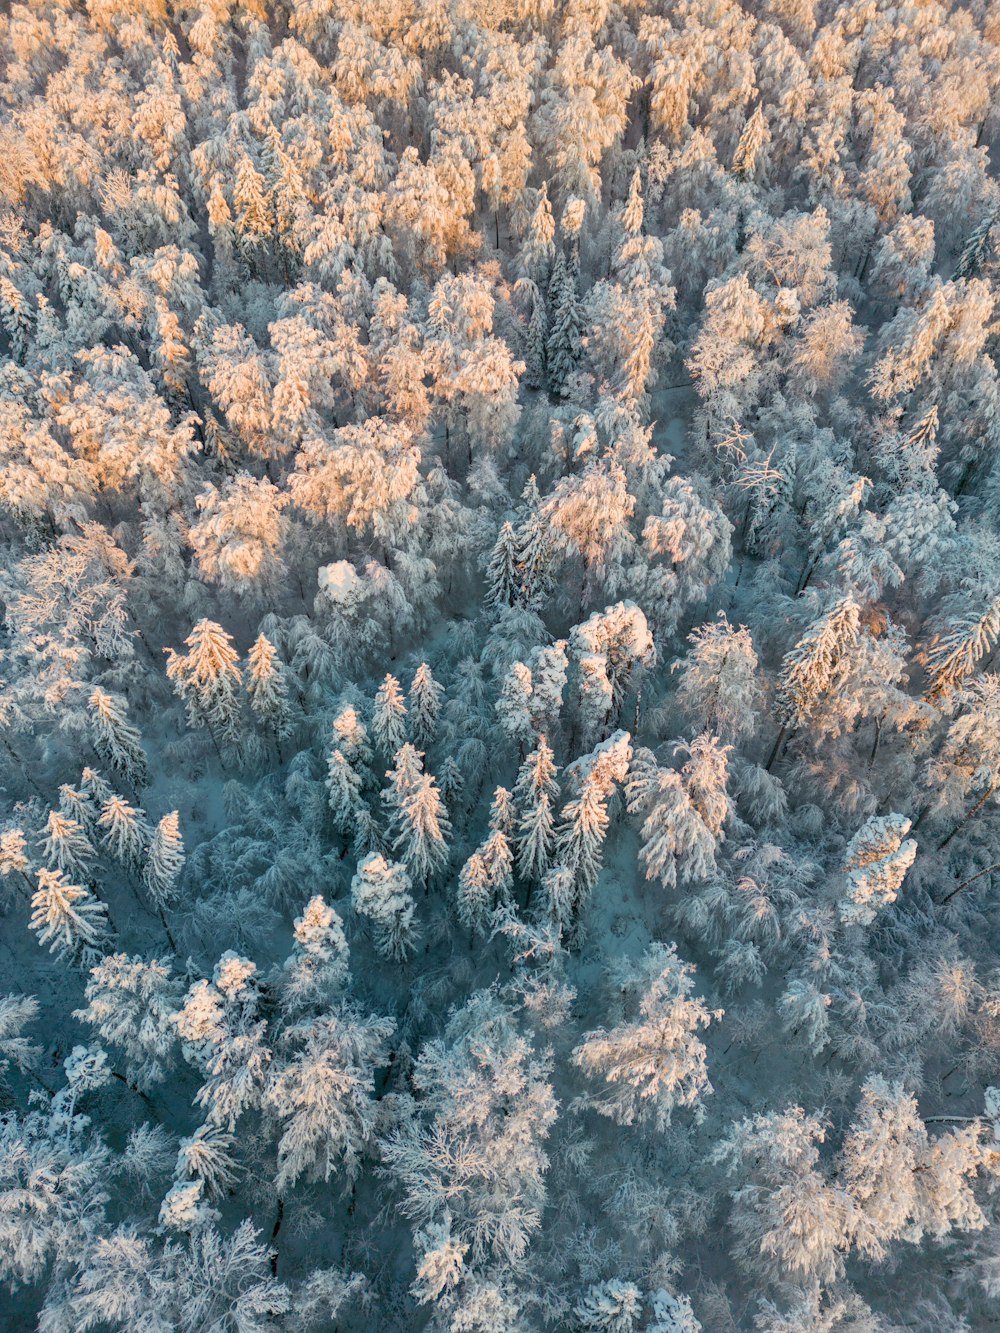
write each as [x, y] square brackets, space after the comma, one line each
[420, 828]
[380, 891]
[474, 896]
[424, 705]
[535, 792]
[584, 819]
[719, 687]
[503, 577]
[559, 897]
[318, 966]
[68, 918]
[513, 707]
[811, 670]
[267, 688]
[115, 739]
[254, 224]
[126, 833]
[789, 1221]
[451, 782]
[77, 805]
[208, 679]
[351, 738]
[165, 861]
[535, 556]
[686, 814]
[223, 1035]
[13, 858]
[566, 321]
[66, 846]
[875, 863]
[498, 861]
[207, 1157]
[469, 1146]
[536, 339]
[548, 682]
[752, 147]
[388, 714]
[95, 789]
[977, 247]
[343, 787]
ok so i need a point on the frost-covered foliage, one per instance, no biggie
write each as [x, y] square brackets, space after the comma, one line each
[499, 706]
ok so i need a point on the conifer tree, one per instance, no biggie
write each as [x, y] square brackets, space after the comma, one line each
[68, 918]
[535, 792]
[66, 846]
[380, 891]
[267, 688]
[115, 739]
[343, 787]
[876, 861]
[474, 895]
[535, 344]
[132, 1003]
[657, 1062]
[208, 679]
[388, 714]
[419, 828]
[566, 322]
[126, 833]
[753, 144]
[424, 705]
[535, 556]
[584, 819]
[318, 966]
[165, 861]
[324, 1095]
[503, 577]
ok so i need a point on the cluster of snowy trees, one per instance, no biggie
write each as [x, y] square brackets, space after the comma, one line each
[499, 708]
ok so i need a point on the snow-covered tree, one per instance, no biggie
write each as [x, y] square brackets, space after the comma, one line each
[165, 860]
[115, 739]
[267, 688]
[68, 918]
[535, 793]
[875, 862]
[424, 706]
[584, 819]
[684, 814]
[656, 1062]
[132, 1003]
[472, 1146]
[323, 1095]
[418, 822]
[380, 891]
[208, 679]
[719, 684]
[126, 833]
[388, 717]
[503, 579]
[222, 1034]
[318, 966]
[66, 846]
[789, 1221]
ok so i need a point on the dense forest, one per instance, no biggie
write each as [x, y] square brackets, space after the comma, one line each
[499, 679]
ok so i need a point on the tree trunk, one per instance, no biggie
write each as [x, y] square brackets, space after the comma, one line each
[971, 880]
[974, 811]
[274, 1236]
[777, 746]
